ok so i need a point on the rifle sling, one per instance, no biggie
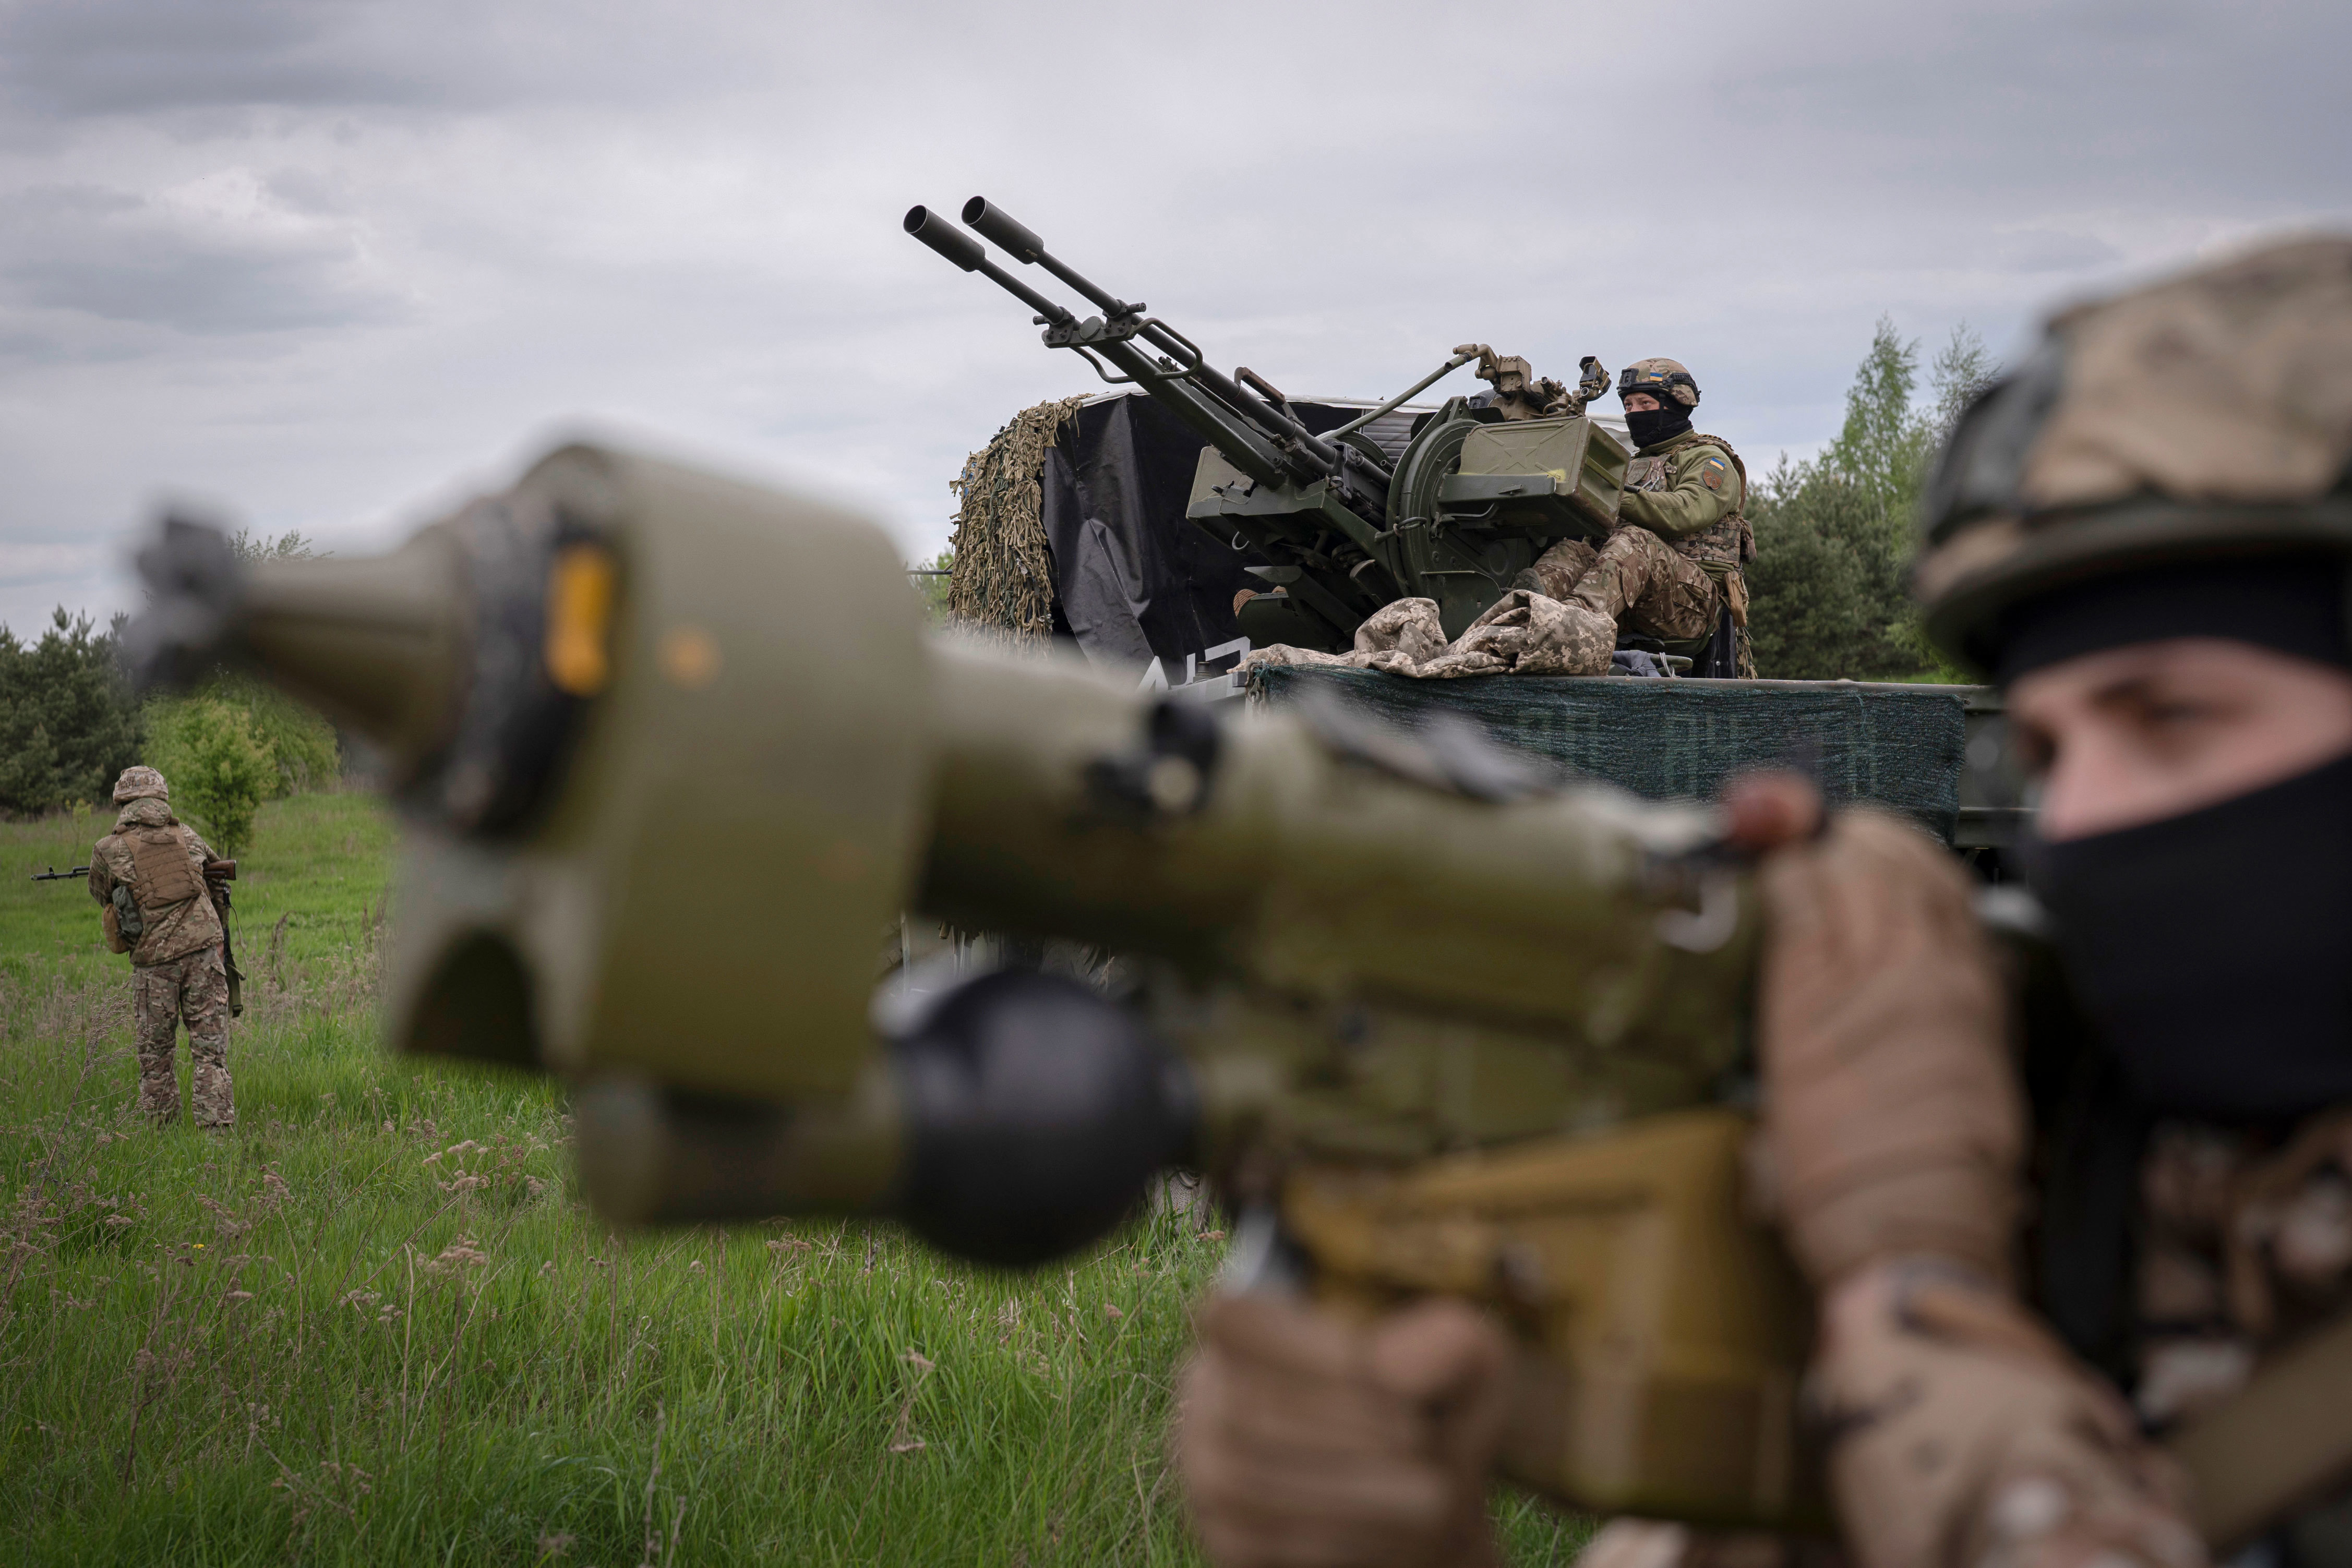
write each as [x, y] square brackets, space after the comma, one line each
[2281, 1442]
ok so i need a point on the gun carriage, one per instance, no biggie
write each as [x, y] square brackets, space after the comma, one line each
[1342, 524]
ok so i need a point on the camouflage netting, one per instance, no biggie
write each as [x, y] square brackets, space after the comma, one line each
[1003, 578]
[1678, 740]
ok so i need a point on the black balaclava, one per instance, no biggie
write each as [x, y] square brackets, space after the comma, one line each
[1651, 425]
[2214, 948]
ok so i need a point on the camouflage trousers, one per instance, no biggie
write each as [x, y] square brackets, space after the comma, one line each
[193, 989]
[1635, 579]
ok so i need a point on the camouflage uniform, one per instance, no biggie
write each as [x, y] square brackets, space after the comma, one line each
[2246, 1243]
[1673, 561]
[2196, 426]
[178, 972]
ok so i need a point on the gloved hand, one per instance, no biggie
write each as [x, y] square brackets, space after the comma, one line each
[1305, 1442]
[1892, 1121]
[1963, 1435]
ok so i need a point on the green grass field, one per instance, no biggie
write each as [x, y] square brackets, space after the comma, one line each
[376, 1325]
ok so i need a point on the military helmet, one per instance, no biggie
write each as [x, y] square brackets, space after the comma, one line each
[1664, 379]
[141, 783]
[2203, 418]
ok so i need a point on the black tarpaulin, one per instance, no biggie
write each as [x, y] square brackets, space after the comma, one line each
[1135, 583]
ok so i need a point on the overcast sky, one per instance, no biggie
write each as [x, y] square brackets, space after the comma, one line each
[328, 265]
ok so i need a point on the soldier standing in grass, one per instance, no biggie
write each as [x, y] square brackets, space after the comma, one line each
[147, 876]
[1673, 565]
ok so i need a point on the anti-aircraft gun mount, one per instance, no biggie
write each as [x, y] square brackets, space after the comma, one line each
[1481, 490]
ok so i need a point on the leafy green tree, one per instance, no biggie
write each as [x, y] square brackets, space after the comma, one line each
[1833, 535]
[1826, 582]
[220, 771]
[1884, 445]
[68, 723]
[1963, 368]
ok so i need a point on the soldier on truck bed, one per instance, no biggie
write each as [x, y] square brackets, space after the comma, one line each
[1672, 566]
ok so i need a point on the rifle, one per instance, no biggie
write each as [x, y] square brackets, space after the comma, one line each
[54, 874]
[1344, 525]
[218, 874]
[1432, 1023]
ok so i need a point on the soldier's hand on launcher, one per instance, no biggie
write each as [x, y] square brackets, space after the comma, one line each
[1309, 1442]
[1304, 1439]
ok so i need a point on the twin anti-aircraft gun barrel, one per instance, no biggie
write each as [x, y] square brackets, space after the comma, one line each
[1336, 520]
[1257, 437]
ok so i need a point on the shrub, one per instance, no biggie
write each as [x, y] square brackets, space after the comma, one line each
[220, 771]
[299, 744]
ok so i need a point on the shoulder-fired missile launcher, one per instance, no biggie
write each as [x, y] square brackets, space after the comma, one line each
[674, 752]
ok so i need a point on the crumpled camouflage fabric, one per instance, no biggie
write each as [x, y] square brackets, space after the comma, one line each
[193, 990]
[1522, 633]
[171, 930]
[2246, 1247]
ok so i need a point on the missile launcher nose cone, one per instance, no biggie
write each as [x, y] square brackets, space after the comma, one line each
[193, 586]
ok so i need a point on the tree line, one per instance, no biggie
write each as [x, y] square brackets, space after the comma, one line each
[70, 722]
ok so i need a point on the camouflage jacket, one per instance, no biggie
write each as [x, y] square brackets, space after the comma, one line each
[1690, 491]
[2243, 1243]
[163, 864]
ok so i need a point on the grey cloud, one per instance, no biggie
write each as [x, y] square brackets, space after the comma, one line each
[211, 65]
[2054, 250]
[77, 57]
[683, 220]
[1985, 105]
[128, 258]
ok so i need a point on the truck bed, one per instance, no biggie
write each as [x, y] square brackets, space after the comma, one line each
[1929, 751]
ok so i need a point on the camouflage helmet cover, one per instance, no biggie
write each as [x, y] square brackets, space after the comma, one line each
[2208, 416]
[1664, 379]
[141, 783]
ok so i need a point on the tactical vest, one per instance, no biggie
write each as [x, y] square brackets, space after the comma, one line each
[1717, 551]
[166, 876]
[1730, 541]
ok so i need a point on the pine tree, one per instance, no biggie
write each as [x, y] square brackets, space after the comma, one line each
[68, 723]
[1833, 535]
